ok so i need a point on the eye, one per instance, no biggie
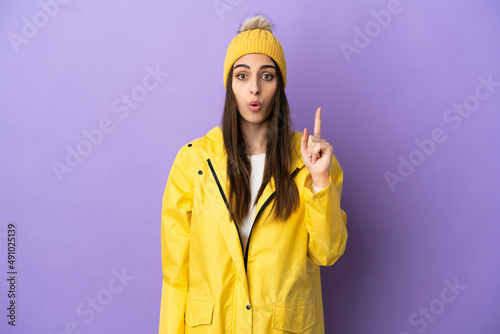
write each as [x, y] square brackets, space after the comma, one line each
[241, 76]
[268, 77]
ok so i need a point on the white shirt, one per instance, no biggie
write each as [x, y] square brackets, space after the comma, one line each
[258, 162]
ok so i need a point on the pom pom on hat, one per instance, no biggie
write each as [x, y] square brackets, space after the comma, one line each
[255, 36]
[256, 22]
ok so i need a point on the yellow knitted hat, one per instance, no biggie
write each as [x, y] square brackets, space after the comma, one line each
[255, 36]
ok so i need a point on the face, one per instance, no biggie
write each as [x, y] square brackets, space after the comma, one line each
[254, 84]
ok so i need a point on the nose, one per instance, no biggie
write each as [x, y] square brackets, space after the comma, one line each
[254, 86]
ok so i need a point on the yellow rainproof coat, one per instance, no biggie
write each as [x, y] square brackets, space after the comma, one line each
[209, 286]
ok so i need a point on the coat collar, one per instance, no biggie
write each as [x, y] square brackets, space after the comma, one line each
[216, 145]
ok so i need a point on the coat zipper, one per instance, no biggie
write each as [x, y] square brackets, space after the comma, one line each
[225, 200]
[256, 217]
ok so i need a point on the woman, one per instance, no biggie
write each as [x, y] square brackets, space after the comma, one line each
[246, 219]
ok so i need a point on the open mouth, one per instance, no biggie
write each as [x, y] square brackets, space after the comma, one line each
[254, 105]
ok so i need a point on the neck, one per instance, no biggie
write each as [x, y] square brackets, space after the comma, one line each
[255, 136]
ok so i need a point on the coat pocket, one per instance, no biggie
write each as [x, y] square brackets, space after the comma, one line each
[199, 312]
[294, 317]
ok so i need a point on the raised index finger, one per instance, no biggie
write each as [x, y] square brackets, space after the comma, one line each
[317, 123]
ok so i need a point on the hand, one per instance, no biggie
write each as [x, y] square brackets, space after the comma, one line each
[317, 154]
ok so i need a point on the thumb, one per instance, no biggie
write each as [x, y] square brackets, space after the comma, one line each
[303, 143]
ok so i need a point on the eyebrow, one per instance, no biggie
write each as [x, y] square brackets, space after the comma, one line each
[246, 66]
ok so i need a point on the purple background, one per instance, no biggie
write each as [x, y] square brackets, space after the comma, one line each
[439, 225]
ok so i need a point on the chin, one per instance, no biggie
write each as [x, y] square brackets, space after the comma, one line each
[254, 118]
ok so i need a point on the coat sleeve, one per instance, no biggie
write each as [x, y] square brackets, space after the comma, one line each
[325, 220]
[175, 231]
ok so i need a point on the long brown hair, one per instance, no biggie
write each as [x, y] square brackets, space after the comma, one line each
[278, 156]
